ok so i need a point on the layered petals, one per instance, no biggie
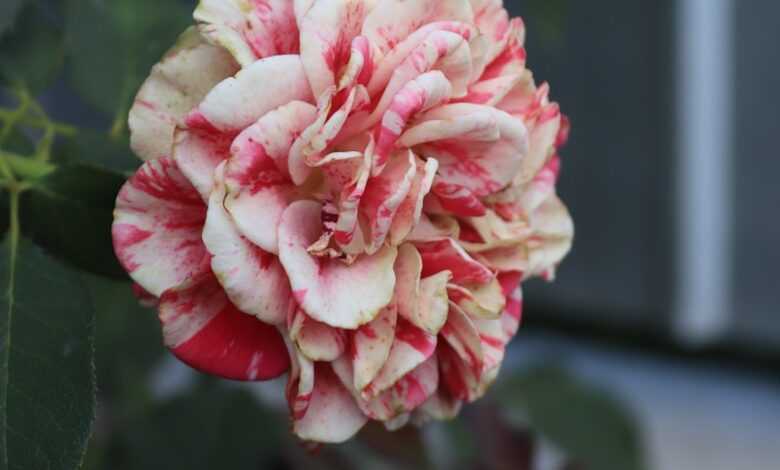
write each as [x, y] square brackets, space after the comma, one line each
[319, 284]
[351, 190]
[157, 227]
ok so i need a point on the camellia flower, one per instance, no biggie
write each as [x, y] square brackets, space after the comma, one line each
[348, 190]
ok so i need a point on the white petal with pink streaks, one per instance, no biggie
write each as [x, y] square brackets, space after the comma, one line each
[371, 346]
[332, 415]
[330, 291]
[230, 107]
[249, 29]
[175, 85]
[253, 279]
[157, 227]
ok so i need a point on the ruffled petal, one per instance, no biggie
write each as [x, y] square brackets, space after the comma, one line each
[327, 31]
[384, 195]
[253, 279]
[330, 291]
[422, 302]
[157, 227]
[203, 329]
[552, 239]
[371, 345]
[448, 255]
[229, 108]
[480, 301]
[420, 94]
[316, 340]
[300, 383]
[256, 175]
[332, 415]
[249, 29]
[405, 395]
[462, 335]
[409, 212]
[392, 21]
[412, 346]
[478, 147]
[176, 85]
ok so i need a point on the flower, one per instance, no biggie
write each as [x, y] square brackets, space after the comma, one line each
[351, 190]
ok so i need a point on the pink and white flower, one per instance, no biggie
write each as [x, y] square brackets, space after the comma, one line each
[348, 190]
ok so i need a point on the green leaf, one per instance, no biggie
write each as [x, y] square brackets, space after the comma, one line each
[129, 340]
[98, 150]
[32, 54]
[69, 212]
[47, 383]
[114, 44]
[591, 426]
[9, 9]
[212, 427]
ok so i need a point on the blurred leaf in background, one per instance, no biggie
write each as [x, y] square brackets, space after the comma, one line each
[32, 52]
[114, 44]
[9, 9]
[588, 424]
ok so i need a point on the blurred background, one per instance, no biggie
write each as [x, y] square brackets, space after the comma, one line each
[658, 345]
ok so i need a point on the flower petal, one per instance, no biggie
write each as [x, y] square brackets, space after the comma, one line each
[300, 383]
[409, 212]
[157, 227]
[229, 108]
[253, 279]
[552, 239]
[479, 301]
[249, 29]
[371, 345]
[330, 291]
[384, 195]
[463, 336]
[332, 415]
[420, 94]
[392, 21]
[448, 255]
[422, 302]
[176, 85]
[327, 31]
[478, 147]
[256, 175]
[206, 331]
[316, 340]
[412, 346]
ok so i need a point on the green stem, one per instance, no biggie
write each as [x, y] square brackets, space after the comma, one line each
[12, 117]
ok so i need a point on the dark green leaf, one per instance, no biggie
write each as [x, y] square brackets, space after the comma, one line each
[32, 54]
[128, 342]
[70, 212]
[9, 9]
[212, 427]
[114, 44]
[590, 425]
[99, 150]
[47, 383]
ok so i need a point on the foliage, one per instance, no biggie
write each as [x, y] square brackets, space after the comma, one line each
[61, 282]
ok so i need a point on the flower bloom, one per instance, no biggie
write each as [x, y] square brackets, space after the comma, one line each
[348, 190]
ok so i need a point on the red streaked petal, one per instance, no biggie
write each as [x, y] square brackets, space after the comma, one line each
[332, 415]
[371, 345]
[253, 279]
[203, 329]
[329, 290]
[157, 227]
[176, 85]
[249, 30]
[448, 255]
